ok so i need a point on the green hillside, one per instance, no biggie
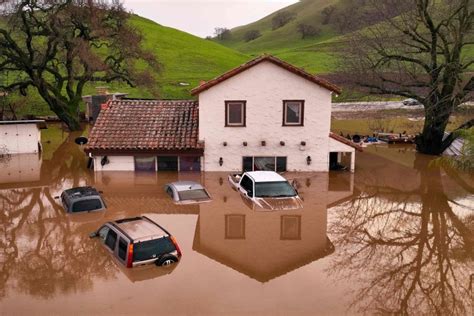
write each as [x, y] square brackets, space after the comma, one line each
[286, 42]
[184, 58]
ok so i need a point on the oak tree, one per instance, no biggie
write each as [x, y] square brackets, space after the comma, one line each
[57, 47]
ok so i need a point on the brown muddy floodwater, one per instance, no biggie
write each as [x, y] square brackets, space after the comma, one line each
[395, 237]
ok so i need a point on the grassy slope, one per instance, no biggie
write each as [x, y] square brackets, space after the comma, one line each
[313, 54]
[286, 42]
[184, 58]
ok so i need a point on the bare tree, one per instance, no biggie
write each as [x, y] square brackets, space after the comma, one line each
[57, 47]
[420, 54]
[282, 18]
[407, 249]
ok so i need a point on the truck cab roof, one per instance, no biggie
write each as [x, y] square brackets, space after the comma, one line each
[265, 176]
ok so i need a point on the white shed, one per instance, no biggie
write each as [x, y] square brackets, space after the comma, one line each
[21, 137]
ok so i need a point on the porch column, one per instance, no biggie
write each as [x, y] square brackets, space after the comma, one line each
[352, 161]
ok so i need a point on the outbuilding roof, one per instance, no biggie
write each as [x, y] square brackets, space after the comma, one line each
[345, 141]
[146, 125]
[297, 71]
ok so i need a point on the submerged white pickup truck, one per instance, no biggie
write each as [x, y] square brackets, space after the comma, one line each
[266, 189]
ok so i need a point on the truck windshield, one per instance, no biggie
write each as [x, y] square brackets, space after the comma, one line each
[198, 194]
[274, 189]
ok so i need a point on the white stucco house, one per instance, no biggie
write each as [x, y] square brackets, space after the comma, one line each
[263, 115]
[21, 137]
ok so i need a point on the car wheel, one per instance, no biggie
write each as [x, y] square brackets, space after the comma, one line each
[166, 260]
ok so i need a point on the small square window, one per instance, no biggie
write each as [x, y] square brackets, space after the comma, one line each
[235, 227]
[235, 113]
[293, 113]
[290, 227]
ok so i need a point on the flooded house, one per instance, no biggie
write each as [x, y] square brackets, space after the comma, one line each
[263, 115]
[21, 137]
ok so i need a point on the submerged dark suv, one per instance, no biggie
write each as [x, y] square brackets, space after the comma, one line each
[138, 241]
[82, 199]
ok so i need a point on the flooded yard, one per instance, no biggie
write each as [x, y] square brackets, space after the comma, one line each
[395, 237]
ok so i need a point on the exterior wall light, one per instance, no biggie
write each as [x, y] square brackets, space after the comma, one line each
[264, 143]
[244, 143]
[282, 143]
[224, 144]
[308, 160]
[221, 161]
[303, 143]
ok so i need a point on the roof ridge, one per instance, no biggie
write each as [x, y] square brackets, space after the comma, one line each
[266, 57]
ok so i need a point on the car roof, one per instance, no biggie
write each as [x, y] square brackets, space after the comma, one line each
[186, 185]
[140, 228]
[81, 192]
[265, 176]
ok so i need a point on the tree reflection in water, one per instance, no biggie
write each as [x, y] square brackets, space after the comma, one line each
[407, 250]
[43, 251]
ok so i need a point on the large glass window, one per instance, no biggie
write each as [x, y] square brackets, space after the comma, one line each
[281, 164]
[264, 163]
[189, 163]
[293, 113]
[277, 164]
[247, 164]
[168, 163]
[145, 164]
[235, 113]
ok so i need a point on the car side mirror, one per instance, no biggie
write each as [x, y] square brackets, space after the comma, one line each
[93, 235]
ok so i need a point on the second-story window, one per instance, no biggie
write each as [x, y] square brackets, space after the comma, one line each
[293, 113]
[235, 113]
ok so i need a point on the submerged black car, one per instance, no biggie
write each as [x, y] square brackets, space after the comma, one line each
[82, 199]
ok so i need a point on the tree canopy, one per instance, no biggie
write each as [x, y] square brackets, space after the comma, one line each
[57, 47]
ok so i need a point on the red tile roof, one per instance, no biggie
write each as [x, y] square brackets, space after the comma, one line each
[345, 141]
[146, 125]
[298, 71]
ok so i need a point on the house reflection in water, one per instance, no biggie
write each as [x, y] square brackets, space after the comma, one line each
[266, 245]
[261, 244]
[20, 168]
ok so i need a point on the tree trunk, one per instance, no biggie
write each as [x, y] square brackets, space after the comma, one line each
[71, 120]
[430, 141]
[66, 110]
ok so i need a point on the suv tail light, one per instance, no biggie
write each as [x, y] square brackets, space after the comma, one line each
[175, 243]
[130, 256]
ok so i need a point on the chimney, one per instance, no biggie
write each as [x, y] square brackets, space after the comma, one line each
[102, 90]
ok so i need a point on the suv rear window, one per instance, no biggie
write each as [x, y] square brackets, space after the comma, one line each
[86, 205]
[151, 249]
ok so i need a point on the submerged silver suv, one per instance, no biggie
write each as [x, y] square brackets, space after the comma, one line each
[138, 241]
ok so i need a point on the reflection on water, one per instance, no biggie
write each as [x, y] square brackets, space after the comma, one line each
[391, 238]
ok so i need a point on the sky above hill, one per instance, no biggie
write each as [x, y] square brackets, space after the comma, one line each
[200, 17]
